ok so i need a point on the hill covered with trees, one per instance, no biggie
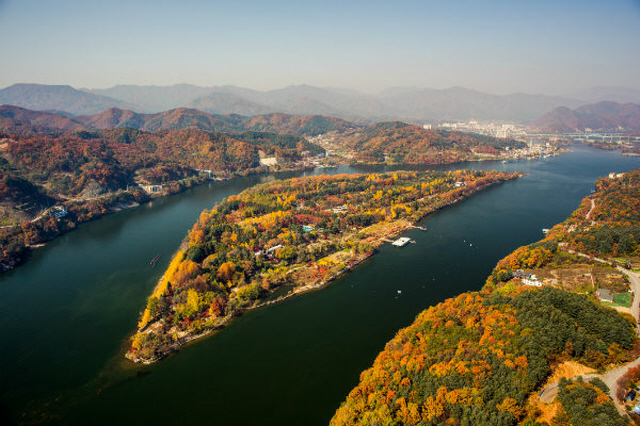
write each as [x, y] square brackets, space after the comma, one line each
[21, 120]
[602, 116]
[398, 142]
[475, 359]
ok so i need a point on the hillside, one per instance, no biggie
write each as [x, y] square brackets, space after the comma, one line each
[605, 226]
[91, 173]
[226, 103]
[288, 236]
[398, 142]
[20, 120]
[176, 119]
[310, 125]
[602, 116]
[481, 358]
[41, 97]
[476, 358]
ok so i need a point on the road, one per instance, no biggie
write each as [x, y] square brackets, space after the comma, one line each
[610, 378]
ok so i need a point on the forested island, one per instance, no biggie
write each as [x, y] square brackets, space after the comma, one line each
[483, 357]
[280, 238]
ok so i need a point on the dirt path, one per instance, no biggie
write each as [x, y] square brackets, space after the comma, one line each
[611, 377]
[593, 205]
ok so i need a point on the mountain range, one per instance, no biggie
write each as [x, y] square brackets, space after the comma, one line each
[602, 116]
[21, 120]
[407, 103]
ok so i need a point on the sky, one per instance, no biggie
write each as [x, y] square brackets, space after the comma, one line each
[540, 46]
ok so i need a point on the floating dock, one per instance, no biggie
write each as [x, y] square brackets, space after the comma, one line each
[400, 242]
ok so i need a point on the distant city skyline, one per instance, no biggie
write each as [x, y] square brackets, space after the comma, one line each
[499, 47]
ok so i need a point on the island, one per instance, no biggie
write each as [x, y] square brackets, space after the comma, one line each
[537, 345]
[281, 238]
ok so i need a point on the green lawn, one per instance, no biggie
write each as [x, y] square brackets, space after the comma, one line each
[622, 299]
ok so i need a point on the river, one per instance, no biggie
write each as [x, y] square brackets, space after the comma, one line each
[66, 315]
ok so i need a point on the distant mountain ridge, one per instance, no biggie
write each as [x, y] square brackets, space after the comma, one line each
[404, 103]
[602, 116]
[42, 97]
[21, 120]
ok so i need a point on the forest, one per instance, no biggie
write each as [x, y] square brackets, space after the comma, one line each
[296, 233]
[398, 142]
[91, 173]
[476, 358]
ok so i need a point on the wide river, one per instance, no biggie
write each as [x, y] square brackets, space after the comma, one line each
[66, 315]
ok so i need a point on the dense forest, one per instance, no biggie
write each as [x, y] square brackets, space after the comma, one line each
[476, 358]
[399, 142]
[297, 233]
[90, 173]
[587, 404]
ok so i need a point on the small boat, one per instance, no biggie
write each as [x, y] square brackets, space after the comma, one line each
[155, 259]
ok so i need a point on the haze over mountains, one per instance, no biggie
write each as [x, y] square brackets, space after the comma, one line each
[407, 103]
[602, 116]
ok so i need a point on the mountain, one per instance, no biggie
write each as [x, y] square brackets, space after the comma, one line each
[460, 103]
[602, 116]
[154, 98]
[398, 142]
[179, 118]
[455, 103]
[310, 125]
[21, 120]
[42, 97]
[607, 93]
[228, 103]
[398, 103]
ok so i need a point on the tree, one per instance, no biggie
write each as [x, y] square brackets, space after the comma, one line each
[225, 271]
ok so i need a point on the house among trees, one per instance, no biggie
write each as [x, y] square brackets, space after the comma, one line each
[532, 281]
[57, 212]
[152, 189]
[604, 295]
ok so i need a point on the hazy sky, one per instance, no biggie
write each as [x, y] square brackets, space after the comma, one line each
[535, 46]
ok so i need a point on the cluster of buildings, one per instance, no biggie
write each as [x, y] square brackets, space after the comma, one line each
[489, 128]
[527, 279]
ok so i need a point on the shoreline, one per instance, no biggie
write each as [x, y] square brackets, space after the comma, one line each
[117, 206]
[396, 228]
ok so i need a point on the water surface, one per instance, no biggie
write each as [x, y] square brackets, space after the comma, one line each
[66, 315]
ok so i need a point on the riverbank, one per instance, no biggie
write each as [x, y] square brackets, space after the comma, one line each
[178, 313]
[19, 240]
